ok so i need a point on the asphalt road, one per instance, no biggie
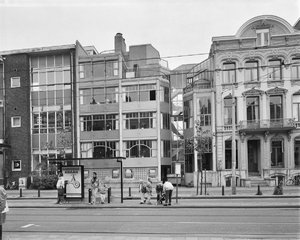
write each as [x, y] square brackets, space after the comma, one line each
[152, 223]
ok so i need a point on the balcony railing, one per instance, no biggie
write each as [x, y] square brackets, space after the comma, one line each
[282, 123]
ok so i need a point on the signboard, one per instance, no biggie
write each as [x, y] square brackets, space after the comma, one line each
[177, 168]
[74, 176]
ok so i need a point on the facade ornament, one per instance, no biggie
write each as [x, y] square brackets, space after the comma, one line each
[289, 135]
[242, 136]
[276, 91]
[253, 92]
[267, 133]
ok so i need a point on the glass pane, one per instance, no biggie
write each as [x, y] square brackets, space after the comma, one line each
[58, 61]
[50, 61]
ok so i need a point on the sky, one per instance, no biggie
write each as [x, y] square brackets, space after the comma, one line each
[181, 30]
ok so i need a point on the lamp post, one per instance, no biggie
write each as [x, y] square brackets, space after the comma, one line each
[233, 145]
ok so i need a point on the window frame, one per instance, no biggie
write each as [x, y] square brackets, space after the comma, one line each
[251, 72]
[14, 80]
[262, 41]
[13, 125]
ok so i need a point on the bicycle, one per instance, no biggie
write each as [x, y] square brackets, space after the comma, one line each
[293, 181]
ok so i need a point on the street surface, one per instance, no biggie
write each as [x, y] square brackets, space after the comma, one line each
[152, 223]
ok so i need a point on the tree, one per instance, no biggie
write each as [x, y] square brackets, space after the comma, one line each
[201, 143]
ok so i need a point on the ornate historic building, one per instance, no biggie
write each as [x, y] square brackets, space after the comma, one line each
[257, 70]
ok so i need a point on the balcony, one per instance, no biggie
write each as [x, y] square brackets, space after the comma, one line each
[274, 125]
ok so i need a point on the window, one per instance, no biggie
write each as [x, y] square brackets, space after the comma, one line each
[189, 158]
[251, 71]
[188, 114]
[252, 108]
[99, 122]
[207, 156]
[228, 111]
[165, 121]
[105, 149]
[296, 107]
[274, 70]
[16, 122]
[16, 165]
[228, 154]
[144, 92]
[140, 148]
[81, 71]
[262, 37]
[297, 152]
[229, 73]
[276, 111]
[277, 154]
[205, 111]
[296, 68]
[166, 148]
[15, 82]
[86, 150]
[139, 120]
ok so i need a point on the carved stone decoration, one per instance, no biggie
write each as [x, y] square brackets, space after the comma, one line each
[289, 135]
[242, 136]
[267, 133]
[276, 91]
[253, 92]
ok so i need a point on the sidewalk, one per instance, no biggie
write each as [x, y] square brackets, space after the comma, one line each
[187, 198]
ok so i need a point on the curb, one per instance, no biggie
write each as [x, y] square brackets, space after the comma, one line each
[183, 197]
[155, 206]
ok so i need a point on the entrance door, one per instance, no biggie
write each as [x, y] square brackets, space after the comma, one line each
[253, 156]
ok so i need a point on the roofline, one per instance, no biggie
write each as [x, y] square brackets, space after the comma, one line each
[38, 50]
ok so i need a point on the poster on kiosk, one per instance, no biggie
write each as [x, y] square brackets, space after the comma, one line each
[73, 176]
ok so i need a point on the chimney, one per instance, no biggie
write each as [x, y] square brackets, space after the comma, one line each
[120, 45]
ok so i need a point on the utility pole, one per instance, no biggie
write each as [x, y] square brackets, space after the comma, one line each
[233, 144]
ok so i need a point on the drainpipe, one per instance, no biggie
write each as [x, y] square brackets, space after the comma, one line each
[4, 119]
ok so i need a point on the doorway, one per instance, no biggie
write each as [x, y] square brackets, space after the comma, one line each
[253, 156]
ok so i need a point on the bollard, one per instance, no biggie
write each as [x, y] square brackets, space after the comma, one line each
[20, 192]
[39, 192]
[90, 195]
[108, 194]
[223, 192]
[258, 190]
[129, 191]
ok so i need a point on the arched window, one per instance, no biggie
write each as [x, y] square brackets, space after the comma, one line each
[251, 71]
[229, 72]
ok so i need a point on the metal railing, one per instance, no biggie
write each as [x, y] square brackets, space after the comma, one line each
[268, 123]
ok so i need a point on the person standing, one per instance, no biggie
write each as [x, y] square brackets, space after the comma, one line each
[60, 186]
[159, 193]
[95, 187]
[168, 189]
[149, 191]
[142, 191]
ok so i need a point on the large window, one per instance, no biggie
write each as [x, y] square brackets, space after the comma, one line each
[139, 120]
[52, 122]
[205, 111]
[296, 107]
[50, 80]
[228, 111]
[228, 154]
[99, 95]
[188, 114]
[165, 121]
[251, 71]
[16, 121]
[229, 73]
[189, 158]
[297, 152]
[296, 68]
[276, 111]
[262, 37]
[140, 148]
[277, 153]
[166, 148]
[99, 122]
[252, 108]
[105, 149]
[274, 70]
[135, 93]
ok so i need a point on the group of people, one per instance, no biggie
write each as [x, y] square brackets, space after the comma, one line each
[163, 189]
[99, 188]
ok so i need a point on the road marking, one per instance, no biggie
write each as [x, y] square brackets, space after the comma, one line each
[30, 225]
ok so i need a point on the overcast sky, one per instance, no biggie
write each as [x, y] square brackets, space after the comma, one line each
[173, 27]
